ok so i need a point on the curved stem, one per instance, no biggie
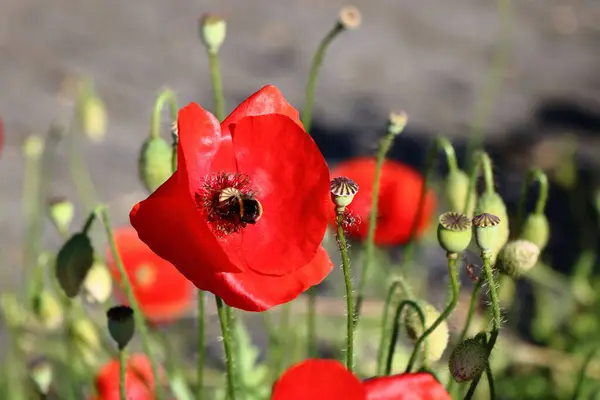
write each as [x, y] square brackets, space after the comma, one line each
[228, 345]
[311, 85]
[534, 175]
[481, 161]
[140, 322]
[201, 346]
[452, 258]
[490, 379]
[122, 369]
[311, 323]
[396, 331]
[349, 303]
[215, 76]
[581, 378]
[165, 96]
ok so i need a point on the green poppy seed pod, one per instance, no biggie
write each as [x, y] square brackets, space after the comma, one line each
[517, 257]
[121, 325]
[486, 232]
[468, 360]
[342, 190]
[349, 18]
[155, 164]
[47, 310]
[536, 229]
[456, 188]
[454, 232]
[73, 262]
[492, 203]
[61, 213]
[87, 340]
[93, 117]
[437, 340]
[397, 122]
[41, 374]
[213, 30]
[97, 286]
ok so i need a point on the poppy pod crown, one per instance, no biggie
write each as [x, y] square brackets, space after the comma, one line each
[245, 212]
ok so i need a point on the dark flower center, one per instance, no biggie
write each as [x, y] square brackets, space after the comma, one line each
[229, 202]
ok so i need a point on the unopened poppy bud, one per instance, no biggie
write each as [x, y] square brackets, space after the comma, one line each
[454, 232]
[121, 325]
[517, 257]
[155, 164]
[40, 371]
[213, 30]
[492, 203]
[93, 117]
[536, 229]
[47, 310]
[33, 147]
[437, 340]
[486, 232]
[468, 360]
[61, 213]
[97, 285]
[342, 190]
[87, 339]
[456, 188]
[73, 262]
[350, 17]
[397, 122]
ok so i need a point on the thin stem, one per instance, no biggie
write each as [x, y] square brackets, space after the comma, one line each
[341, 239]
[122, 369]
[201, 346]
[384, 335]
[581, 378]
[490, 379]
[228, 345]
[71, 352]
[472, 388]
[493, 81]
[284, 323]
[80, 174]
[235, 347]
[311, 322]
[311, 85]
[455, 289]
[140, 322]
[533, 175]
[386, 144]
[215, 76]
[483, 162]
[165, 96]
[396, 331]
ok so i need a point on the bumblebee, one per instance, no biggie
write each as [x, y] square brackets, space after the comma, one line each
[234, 204]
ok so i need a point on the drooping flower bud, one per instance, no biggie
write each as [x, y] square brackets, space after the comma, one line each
[397, 122]
[456, 188]
[454, 232]
[437, 340]
[517, 257]
[73, 262]
[468, 360]
[155, 163]
[47, 310]
[486, 232]
[61, 213]
[121, 325]
[349, 18]
[92, 116]
[342, 190]
[97, 286]
[213, 30]
[536, 229]
[41, 374]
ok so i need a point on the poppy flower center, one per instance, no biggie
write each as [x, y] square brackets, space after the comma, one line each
[229, 202]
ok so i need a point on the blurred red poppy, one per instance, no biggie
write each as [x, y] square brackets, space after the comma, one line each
[139, 381]
[245, 213]
[162, 292]
[328, 379]
[399, 194]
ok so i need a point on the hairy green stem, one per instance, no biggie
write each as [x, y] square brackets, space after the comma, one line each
[228, 345]
[452, 258]
[215, 76]
[140, 322]
[483, 162]
[167, 95]
[396, 331]
[341, 239]
[122, 369]
[201, 346]
[535, 175]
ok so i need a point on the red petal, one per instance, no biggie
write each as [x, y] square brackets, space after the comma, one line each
[251, 291]
[318, 380]
[168, 223]
[399, 194]
[291, 179]
[418, 386]
[162, 292]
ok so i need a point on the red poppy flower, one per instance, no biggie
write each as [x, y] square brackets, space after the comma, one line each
[245, 213]
[139, 381]
[399, 194]
[162, 292]
[328, 379]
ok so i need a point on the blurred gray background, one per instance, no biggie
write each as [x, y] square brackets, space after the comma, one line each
[428, 57]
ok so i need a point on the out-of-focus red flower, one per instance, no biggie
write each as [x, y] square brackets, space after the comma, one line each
[245, 213]
[328, 379]
[139, 381]
[162, 292]
[399, 193]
